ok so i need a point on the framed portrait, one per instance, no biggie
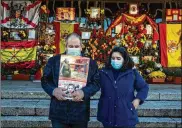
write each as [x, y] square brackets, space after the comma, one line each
[118, 28]
[31, 34]
[135, 59]
[65, 13]
[149, 29]
[175, 17]
[95, 12]
[86, 35]
[133, 9]
[14, 35]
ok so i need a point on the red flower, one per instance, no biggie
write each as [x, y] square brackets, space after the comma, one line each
[140, 44]
[144, 31]
[139, 35]
[131, 44]
[129, 38]
[140, 27]
[125, 29]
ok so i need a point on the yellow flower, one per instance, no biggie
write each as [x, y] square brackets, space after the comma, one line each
[46, 47]
[154, 46]
[53, 47]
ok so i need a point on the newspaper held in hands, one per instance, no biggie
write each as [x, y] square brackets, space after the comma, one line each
[73, 73]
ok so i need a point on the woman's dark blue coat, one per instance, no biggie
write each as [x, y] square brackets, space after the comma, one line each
[115, 106]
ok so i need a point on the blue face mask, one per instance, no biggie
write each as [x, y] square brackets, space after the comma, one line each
[74, 51]
[116, 64]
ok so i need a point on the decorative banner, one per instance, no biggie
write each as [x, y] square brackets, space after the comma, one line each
[137, 20]
[20, 14]
[62, 31]
[170, 44]
[133, 21]
[116, 22]
[18, 54]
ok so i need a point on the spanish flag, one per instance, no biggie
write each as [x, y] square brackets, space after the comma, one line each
[62, 30]
[18, 54]
[170, 44]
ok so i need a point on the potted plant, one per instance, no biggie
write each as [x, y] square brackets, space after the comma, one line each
[178, 76]
[169, 74]
[157, 77]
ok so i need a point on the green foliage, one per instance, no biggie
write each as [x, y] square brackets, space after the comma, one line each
[173, 72]
[6, 71]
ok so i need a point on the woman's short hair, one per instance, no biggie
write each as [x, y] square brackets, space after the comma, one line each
[128, 62]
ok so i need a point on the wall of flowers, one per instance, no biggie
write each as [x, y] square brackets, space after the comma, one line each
[138, 33]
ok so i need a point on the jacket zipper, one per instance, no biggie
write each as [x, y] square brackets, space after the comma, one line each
[121, 76]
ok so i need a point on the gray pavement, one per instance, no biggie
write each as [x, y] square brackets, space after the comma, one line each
[25, 104]
[41, 107]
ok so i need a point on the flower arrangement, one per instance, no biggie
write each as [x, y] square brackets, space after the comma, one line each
[22, 34]
[134, 38]
[4, 35]
[46, 39]
[157, 74]
[99, 47]
[49, 48]
[133, 50]
[149, 65]
[44, 11]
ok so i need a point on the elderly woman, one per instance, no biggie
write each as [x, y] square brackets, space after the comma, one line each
[117, 104]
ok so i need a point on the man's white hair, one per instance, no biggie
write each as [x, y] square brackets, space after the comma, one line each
[73, 35]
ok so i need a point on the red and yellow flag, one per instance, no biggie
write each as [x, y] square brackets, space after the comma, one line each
[170, 44]
[18, 54]
[62, 30]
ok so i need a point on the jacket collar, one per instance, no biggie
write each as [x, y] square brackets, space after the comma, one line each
[110, 73]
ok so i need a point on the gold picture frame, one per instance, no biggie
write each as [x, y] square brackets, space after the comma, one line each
[65, 13]
[94, 12]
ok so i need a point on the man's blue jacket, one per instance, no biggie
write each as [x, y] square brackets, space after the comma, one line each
[69, 111]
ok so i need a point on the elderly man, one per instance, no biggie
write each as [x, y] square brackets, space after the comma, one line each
[65, 113]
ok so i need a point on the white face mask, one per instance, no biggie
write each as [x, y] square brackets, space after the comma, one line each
[74, 51]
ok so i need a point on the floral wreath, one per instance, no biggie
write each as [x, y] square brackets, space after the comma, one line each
[134, 38]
